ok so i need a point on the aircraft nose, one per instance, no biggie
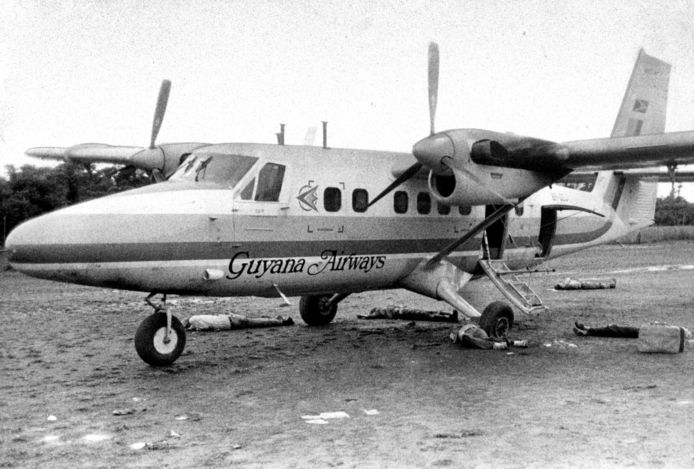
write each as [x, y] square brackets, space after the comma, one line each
[25, 242]
[430, 151]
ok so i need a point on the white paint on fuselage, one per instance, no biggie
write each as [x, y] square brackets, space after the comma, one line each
[216, 215]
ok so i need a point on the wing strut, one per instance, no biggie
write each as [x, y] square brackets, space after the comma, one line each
[481, 226]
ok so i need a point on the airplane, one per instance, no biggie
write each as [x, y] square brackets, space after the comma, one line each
[248, 219]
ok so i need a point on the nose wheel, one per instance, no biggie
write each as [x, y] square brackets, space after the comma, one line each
[160, 338]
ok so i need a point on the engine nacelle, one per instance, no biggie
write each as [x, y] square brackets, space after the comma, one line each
[485, 168]
[487, 187]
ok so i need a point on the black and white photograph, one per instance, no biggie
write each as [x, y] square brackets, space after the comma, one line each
[367, 234]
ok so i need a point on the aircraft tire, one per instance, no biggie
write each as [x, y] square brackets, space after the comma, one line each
[149, 340]
[314, 310]
[497, 319]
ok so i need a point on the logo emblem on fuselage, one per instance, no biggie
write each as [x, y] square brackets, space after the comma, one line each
[307, 197]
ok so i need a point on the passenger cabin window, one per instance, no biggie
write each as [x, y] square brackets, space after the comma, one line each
[400, 201]
[360, 200]
[225, 170]
[465, 210]
[519, 210]
[443, 209]
[423, 203]
[332, 199]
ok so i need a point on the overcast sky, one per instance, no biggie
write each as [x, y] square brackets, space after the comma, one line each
[89, 71]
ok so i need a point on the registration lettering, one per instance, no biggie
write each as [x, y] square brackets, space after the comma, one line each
[331, 261]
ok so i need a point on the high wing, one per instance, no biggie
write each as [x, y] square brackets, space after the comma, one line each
[163, 159]
[637, 140]
[644, 151]
[160, 160]
[480, 167]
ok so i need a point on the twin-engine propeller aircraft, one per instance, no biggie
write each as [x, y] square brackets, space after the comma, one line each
[276, 220]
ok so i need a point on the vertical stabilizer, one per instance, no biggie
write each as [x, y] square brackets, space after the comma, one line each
[644, 106]
[643, 112]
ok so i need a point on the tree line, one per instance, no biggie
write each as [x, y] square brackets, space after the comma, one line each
[30, 191]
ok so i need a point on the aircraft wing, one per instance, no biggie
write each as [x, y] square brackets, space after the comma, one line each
[676, 148]
[87, 153]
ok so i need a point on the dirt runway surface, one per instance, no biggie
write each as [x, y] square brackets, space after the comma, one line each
[413, 399]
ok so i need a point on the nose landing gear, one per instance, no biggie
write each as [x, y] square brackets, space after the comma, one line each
[160, 338]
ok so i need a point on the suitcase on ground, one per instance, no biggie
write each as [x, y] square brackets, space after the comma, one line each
[660, 339]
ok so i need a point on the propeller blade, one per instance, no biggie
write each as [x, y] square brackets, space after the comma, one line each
[160, 110]
[433, 83]
[409, 172]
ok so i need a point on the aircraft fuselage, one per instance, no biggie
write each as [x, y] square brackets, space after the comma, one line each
[293, 219]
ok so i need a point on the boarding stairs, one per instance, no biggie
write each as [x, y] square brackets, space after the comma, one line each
[514, 289]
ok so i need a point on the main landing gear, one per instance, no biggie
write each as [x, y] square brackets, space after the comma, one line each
[160, 338]
[497, 319]
[319, 310]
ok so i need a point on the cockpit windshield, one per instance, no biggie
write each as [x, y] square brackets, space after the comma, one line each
[226, 170]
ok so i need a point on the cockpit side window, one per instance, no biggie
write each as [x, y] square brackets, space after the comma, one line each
[247, 192]
[270, 181]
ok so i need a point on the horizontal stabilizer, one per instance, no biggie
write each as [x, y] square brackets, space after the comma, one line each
[658, 175]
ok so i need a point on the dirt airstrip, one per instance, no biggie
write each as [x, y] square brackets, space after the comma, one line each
[405, 395]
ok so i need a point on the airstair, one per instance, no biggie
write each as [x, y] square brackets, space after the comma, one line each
[514, 289]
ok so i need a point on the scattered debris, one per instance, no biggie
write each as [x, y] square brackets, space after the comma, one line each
[95, 438]
[323, 417]
[371, 412]
[124, 411]
[586, 284]
[640, 388]
[399, 312]
[192, 416]
[463, 434]
[174, 434]
[153, 446]
[52, 418]
[51, 439]
[561, 343]
[327, 415]
[158, 445]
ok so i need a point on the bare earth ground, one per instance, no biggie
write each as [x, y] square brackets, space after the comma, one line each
[67, 351]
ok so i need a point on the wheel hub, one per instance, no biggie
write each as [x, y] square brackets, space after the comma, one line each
[162, 344]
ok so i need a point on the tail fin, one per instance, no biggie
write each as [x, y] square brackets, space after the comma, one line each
[643, 112]
[644, 106]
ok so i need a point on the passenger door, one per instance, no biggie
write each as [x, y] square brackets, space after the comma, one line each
[264, 198]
